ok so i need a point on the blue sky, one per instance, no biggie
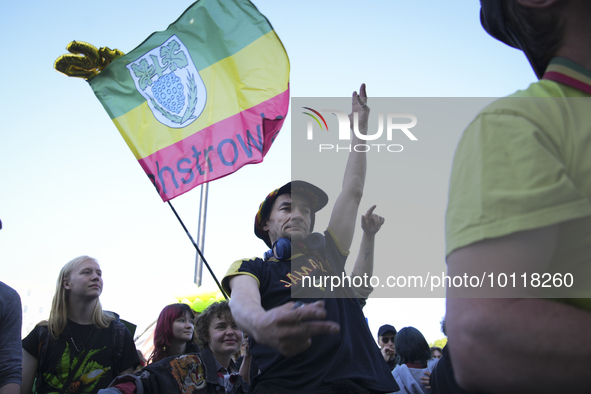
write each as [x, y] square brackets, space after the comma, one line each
[70, 186]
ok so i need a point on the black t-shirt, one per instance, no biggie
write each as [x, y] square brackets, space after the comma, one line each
[352, 354]
[100, 365]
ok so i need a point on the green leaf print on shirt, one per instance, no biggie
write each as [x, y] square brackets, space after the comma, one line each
[85, 379]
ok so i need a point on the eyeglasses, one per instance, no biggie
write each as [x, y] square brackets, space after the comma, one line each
[387, 339]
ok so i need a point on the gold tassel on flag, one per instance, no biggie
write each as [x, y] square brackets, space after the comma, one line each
[86, 60]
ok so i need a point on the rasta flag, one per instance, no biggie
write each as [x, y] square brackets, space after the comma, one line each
[201, 99]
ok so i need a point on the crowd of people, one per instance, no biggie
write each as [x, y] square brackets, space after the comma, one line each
[309, 345]
[519, 202]
[83, 349]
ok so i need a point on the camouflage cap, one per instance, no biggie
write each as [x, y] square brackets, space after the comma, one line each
[318, 200]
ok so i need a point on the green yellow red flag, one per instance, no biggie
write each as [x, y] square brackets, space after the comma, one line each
[201, 99]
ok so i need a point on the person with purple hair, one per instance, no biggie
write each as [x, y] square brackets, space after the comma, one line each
[175, 333]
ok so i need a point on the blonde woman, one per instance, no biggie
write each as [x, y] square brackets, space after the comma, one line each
[81, 348]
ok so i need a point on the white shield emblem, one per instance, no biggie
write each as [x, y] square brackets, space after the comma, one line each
[169, 81]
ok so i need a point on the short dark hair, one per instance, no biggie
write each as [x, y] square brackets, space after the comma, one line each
[220, 310]
[411, 346]
[541, 30]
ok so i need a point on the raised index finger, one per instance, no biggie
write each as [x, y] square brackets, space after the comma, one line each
[370, 211]
[362, 91]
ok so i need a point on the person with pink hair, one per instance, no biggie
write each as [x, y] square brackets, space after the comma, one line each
[175, 333]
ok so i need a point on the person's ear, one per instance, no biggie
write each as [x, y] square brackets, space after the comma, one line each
[538, 3]
[66, 284]
[266, 225]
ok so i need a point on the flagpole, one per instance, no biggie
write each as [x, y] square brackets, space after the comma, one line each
[201, 233]
[198, 251]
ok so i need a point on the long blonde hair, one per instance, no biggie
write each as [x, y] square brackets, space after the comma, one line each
[58, 316]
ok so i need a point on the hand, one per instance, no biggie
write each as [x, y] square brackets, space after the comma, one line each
[371, 223]
[246, 346]
[290, 331]
[387, 353]
[359, 106]
[426, 380]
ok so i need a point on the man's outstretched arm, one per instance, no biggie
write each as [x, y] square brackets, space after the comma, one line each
[344, 213]
[516, 345]
[287, 330]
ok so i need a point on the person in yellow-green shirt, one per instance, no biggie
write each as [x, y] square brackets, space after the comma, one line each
[520, 210]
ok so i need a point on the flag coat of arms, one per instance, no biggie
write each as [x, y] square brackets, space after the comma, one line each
[201, 99]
